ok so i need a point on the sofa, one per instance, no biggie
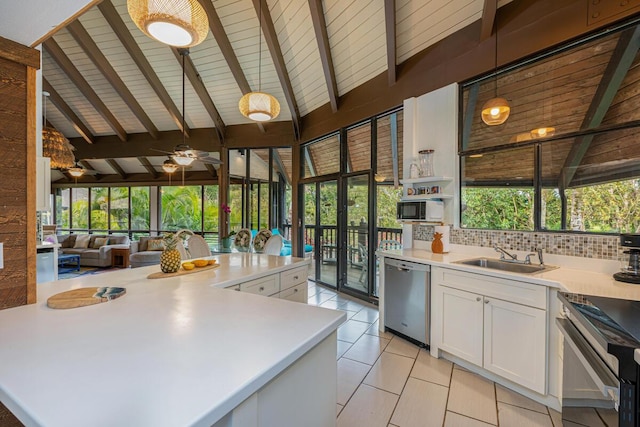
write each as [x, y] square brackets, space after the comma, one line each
[96, 254]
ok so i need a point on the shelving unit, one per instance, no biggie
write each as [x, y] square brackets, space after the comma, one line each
[442, 181]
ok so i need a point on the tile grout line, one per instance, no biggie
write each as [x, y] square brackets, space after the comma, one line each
[405, 383]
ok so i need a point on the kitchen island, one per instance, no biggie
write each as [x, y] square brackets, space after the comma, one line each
[172, 352]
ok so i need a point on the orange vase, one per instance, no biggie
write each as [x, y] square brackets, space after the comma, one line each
[436, 245]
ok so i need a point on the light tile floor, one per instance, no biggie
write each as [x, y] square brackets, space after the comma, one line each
[386, 381]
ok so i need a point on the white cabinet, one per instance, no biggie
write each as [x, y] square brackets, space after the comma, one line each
[43, 183]
[497, 324]
[290, 285]
[461, 326]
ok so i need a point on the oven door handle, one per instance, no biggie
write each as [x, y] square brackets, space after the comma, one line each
[598, 371]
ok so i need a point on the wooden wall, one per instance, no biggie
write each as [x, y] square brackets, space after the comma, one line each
[18, 65]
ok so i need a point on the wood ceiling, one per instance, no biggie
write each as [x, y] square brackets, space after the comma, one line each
[108, 80]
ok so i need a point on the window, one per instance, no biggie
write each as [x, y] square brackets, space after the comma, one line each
[567, 159]
[99, 208]
[181, 207]
[119, 209]
[80, 208]
[140, 211]
[63, 208]
[321, 157]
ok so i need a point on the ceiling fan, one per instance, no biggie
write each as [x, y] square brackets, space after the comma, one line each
[183, 155]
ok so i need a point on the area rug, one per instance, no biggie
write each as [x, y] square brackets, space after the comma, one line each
[85, 271]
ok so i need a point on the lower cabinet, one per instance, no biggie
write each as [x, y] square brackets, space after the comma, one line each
[497, 334]
[290, 285]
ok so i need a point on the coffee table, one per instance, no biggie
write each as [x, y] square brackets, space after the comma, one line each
[64, 262]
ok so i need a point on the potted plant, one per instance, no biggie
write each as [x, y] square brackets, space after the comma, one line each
[226, 239]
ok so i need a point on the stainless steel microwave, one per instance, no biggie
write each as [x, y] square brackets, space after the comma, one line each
[421, 210]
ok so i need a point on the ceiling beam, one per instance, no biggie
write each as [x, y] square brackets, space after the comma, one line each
[322, 37]
[280, 135]
[270, 36]
[390, 26]
[617, 68]
[116, 167]
[120, 29]
[66, 111]
[215, 25]
[83, 86]
[148, 166]
[200, 88]
[211, 170]
[136, 179]
[91, 49]
[488, 19]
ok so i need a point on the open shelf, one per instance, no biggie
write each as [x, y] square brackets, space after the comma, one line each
[427, 197]
[425, 180]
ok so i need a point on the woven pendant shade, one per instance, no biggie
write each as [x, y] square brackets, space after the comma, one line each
[259, 106]
[495, 111]
[58, 148]
[180, 23]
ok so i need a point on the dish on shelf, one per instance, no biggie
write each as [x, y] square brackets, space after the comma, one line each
[261, 239]
[242, 241]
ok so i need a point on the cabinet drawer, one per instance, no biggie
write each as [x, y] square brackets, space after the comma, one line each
[293, 277]
[264, 286]
[508, 290]
[297, 293]
[233, 288]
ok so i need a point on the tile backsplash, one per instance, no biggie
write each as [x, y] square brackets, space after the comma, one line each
[579, 245]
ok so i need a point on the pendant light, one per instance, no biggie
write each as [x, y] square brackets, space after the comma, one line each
[169, 166]
[54, 144]
[179, 23]
[259, 106]
[496, 110]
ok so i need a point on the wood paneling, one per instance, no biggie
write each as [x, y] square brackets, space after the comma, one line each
[17, 190]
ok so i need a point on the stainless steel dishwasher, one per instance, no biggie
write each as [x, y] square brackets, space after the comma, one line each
[407, 292]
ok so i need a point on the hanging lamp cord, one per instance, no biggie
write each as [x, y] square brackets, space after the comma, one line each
[260, 47]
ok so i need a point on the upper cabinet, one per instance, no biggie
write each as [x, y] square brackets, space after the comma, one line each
[431, 123]
[43, 183]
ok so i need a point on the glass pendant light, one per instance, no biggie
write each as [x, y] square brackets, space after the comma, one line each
[259, 106]
[169, 166]
[496, 110]
[179, 23]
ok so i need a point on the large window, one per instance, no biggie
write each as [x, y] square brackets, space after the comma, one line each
[181, 207]
[567, 158]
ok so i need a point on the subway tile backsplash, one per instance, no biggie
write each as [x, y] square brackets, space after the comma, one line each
[579, 245]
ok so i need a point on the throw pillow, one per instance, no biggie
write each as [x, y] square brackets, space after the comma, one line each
[155, 245]
[82, 241]
[100, 241]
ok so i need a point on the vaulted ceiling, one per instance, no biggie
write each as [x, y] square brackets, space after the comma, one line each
[108, 80]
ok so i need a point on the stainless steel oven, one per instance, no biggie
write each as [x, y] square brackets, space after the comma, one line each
[599, 370]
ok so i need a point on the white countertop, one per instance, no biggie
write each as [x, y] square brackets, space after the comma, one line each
[171, 352]
[577, 275]
[47, 245]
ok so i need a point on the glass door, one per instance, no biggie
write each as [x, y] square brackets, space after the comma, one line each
[356, 251]
[327, 248]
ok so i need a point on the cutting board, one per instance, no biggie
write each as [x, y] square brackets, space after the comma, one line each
[181, 272]
[82, 297]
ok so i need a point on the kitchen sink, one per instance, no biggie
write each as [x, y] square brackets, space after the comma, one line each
[496, 264]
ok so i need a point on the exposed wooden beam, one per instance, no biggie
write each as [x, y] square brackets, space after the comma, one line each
[270, 36]
[488, 18]
[390, 27]
[280, 134]
[148, 166]
[617, 68]
[217, 29]
[120, 29]
[136, 179]
[91, 49]
[211, 170]
[322, 37]
[84, 87]
[19, 53]
[66, 111]
[116, 167]
[199, 87]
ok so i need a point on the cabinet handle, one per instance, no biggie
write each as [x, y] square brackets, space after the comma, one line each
[261, 288]
[295, 290]
[295, 277]
[486, 301]
[478, 299]
[237, 289]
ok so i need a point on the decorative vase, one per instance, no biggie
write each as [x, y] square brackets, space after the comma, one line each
[226, 243]
[436, 246]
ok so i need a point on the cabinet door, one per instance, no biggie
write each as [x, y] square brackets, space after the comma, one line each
[515, 343]
[43, 183]
[461, 324]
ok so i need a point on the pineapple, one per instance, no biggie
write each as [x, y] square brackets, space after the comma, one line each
[170, 259]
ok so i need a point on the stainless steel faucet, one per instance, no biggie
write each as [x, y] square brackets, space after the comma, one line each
[512, 258]
[538, 252]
